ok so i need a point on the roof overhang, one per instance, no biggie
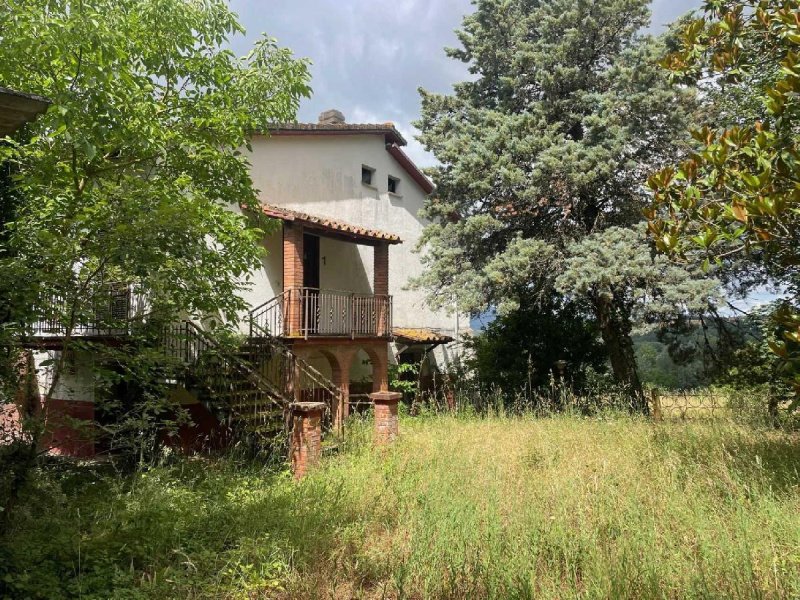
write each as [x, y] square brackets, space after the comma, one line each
[408, 165]
[331, 227]
[388, 130]
[17, 108]
[420, 335]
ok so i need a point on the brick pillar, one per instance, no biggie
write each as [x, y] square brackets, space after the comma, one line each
[344, 357]
[381, 269]
[386, 420]
[292, 276]
[379, 356]
[306, 436]
[380, 288]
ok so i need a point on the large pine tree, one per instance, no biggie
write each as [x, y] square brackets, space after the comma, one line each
[548, 143]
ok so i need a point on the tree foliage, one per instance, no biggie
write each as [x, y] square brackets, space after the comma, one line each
[737, 195]
[130, 176]
[522, 350]
[548, 143]
[131, 172]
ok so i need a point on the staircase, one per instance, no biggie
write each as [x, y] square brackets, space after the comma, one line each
[231, 388]
[284, 369]
[249, 388]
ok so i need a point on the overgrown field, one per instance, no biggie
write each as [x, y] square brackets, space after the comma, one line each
[460, 508]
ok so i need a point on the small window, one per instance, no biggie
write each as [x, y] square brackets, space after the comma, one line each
[366, 175]
[394, 185]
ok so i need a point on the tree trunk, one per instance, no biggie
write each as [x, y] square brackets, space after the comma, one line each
[615, 329]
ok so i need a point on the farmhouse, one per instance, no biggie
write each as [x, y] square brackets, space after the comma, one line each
[330, 309]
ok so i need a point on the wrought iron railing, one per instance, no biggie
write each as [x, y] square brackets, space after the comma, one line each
[269, 317]
[255, 382]
[226, 377]
[109, 311]
[305, 312]
[298, 380]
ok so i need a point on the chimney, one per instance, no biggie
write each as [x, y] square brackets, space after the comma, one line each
[331, 117]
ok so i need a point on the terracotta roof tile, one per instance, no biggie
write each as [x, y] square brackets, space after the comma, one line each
[324, 224]
[387, 129]
[417, 335]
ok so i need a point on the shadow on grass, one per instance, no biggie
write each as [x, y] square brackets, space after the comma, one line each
[194, 527]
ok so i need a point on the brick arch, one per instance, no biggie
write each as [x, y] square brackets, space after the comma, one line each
[340, 359]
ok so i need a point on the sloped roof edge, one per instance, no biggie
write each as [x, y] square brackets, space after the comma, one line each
[420, 335]
[413, 170]
[325, 225]
[388, 130]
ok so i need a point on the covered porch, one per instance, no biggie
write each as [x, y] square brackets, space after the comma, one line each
[333, 310]
[326, 290]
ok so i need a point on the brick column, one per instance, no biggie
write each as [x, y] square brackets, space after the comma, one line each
[379, 356]
[340, 360]
[381, 269]
[306, 436]
[380, 288]
[292, 275]
[386, 421]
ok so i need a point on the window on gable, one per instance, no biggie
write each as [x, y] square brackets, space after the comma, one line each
[394, 185]
[367, 175]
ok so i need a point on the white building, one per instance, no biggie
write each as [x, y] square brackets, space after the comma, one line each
[354, 191]
[331, 302]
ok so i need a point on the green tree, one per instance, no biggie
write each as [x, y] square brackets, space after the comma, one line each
[545, 145]
[132, 173]
[522, 350]
[616, 267]
[736, 199]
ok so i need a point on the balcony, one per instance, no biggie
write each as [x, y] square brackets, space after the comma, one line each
[108, 313]
[311, 312]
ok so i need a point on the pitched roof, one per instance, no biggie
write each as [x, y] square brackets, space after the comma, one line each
[420, 335]
[331, 227]
[17, 108]
[388, 130]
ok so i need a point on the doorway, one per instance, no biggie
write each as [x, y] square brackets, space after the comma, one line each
[311, 284]
[310, 261]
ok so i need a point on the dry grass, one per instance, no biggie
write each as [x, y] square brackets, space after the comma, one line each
[561, 507]
[460, 507]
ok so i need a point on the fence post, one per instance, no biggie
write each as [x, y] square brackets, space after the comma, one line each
[656, 401]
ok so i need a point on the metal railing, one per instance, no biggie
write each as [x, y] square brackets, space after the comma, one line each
[228, 379]
[109, 311]
[305, 312]
[269, 317]
[255, 382]
[297, 379]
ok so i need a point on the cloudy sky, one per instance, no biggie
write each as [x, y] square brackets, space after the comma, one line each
[370, 56]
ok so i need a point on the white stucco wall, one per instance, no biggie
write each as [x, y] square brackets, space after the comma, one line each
[76, 382]
[321, 175]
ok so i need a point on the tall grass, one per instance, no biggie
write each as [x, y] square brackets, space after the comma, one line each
[459, 507]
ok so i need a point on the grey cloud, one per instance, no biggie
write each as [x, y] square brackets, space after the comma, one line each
[370, 56]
